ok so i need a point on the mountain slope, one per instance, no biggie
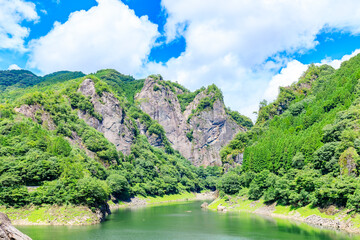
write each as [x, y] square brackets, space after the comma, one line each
[46, 143]
[304, 148]
[196, 124]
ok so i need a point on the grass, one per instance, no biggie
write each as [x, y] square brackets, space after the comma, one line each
[237, 204]
[241, 204]
[58, 215]
[168, 198]
[74, 215]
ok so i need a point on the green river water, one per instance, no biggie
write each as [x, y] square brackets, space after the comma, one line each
[183, 221]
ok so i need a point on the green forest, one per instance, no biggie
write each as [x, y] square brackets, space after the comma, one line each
[304, 148]
[40, 165]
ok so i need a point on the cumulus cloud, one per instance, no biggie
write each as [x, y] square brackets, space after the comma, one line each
[108, 35]
[288, 75]
[14, 67]
[337, 62]
[238, 44]
[12, 14]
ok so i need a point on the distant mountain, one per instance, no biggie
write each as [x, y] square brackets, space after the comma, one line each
[25, 78]
[21, 78]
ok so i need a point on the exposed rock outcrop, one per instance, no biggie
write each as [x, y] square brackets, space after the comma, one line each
[204, 205]
[221, 208]
[117, 128]
[211, 128]
[198, 137]
[8, 231]
[37, 114]
[163, 106]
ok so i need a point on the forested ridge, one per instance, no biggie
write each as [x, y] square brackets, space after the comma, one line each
[54, 157]
[304, 148]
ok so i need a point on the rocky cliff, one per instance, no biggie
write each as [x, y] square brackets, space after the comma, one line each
[116, 125]
[117, 128]
[198, 134]
[197, 128]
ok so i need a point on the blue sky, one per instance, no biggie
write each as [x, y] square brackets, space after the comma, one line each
[248, 49]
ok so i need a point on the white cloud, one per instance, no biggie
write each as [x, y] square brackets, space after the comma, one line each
[108, 35]
[229, 43]
[293, 71]
[337, 62]
[12, 14]
[14, 67]
[288, 75]
[236, 44]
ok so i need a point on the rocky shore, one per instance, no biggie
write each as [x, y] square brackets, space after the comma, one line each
[338, 223]
[327, 218]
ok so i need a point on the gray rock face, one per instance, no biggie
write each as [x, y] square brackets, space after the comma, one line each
[163, 106]
[8, 231]
[239, 158]
[115, 126]
[32, 110]
[212, 128]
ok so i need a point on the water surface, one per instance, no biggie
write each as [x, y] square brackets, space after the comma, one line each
[181, 221]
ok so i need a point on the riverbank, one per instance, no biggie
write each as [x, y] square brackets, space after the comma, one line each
[52, 215]
[83, 215]
[181, 197]
[331, 217]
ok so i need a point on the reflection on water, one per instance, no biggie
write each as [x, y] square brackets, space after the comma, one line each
[184, 221]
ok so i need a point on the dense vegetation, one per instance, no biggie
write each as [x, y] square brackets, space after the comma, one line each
[305, 146]
[123, 85]
[43, 162]
[61, 76]
[240, 119]
[21, 82]
[22, 78]
[187, 97]
[213, 93]
[25, 78]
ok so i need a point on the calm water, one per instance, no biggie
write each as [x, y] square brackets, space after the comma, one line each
[183, 221]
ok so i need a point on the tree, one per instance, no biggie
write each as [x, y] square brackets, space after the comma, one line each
[298, 160]
[230, 183]
[118, 185]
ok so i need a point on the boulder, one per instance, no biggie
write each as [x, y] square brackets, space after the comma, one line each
[204, 205]
[8, 231]
[221, 208]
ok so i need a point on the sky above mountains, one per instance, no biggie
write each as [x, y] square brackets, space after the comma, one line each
[247, 48]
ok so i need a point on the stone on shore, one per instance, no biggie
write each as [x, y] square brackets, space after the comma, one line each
[221, 208]
[8, 231]
[204, 205]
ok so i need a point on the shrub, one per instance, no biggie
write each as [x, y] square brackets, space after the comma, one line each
[229, 183]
